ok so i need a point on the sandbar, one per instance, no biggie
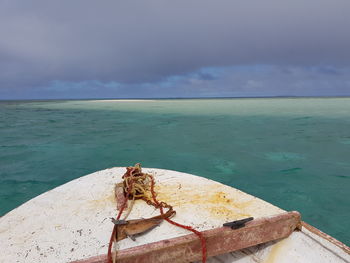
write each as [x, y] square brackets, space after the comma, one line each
[122, 100]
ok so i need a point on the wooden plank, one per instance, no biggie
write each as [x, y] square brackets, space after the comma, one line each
[219, 241]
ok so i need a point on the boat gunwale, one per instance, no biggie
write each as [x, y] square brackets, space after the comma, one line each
[219, 241]
[327, 237]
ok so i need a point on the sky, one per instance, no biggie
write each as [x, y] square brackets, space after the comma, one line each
[185, 48]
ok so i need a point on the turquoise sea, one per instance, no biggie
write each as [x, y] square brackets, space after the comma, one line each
[292, 152]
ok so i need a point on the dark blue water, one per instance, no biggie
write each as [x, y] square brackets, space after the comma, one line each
[293, 153]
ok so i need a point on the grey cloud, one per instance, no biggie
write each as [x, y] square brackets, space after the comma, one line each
[135, 42]
[206, 76]
[260, 80]
[329, 70]
[264, 80]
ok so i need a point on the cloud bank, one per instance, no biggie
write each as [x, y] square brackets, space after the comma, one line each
[154, 48]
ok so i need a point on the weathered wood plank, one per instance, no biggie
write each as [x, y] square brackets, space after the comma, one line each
[219, 240]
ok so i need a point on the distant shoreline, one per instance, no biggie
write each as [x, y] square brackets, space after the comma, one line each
[121, 100]
[175, 98]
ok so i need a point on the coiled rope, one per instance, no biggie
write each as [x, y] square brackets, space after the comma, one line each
[136, 185]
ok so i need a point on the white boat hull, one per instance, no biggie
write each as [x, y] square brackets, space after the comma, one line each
[72, 222]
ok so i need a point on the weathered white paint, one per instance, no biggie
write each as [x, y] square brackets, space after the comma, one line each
[300, 247]
[72, 221]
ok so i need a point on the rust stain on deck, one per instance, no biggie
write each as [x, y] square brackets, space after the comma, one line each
[276, 250]
[106, 200]
[210, 197]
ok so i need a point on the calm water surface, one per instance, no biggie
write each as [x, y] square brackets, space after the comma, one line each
[294, 153]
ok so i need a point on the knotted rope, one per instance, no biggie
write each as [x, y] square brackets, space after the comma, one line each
[137, 185]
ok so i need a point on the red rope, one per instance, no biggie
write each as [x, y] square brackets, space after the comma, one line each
[158, 204]
[199, 234]
[114, 232]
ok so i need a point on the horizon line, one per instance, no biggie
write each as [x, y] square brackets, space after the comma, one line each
[178, 98]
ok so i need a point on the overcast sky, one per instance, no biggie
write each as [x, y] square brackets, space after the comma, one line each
[182, 48]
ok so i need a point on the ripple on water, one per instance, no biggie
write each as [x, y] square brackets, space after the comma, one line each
[345, 141]
[291, 170]
[283, 156]
[225, 166]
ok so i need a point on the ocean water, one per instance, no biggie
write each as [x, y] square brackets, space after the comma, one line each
[294, 153]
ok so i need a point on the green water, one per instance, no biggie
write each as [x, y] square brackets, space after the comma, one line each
[293, 153]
